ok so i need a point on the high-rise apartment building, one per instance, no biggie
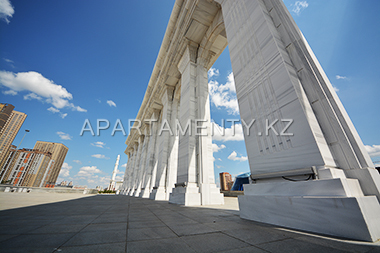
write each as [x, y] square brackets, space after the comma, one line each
[225, 181]
[10, 123]
[58, 151]
[5, 113]
[28, 167]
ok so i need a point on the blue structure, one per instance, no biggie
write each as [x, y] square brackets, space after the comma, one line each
[240, 180]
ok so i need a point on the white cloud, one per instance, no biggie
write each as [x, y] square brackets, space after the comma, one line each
[98, 100]
[65, 170]
[88, 171]
[77, 161]
[336, 89]
[100, 156]
[124, 165]
[373, 150]
[5, 59]
[31, 96]
[299, 6]
[40, 88]
[213, 72]
[233, 156]
[6, 10]
[234, 133]
[341, 77]
[53, 110]
[111, 103]
[77, 108]
[216, 148]
[10, 92]
[98, 144]
[64, 136]
[224, 95]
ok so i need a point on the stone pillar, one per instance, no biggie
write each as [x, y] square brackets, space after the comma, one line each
[186, 190]
[164, 135]
[129, 171]
[137, 165]
[133, 171]
[125, 180]
[210, 194]
[150, 162]
[173, 146]
[156, 151]
[277, 77]
[141, 165]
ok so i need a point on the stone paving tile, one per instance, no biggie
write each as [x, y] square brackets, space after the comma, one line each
[222, 225]
[191, 229]
[19, 229]
[35, 242]
[295, 246]
[95, 248]
[346, 246]
[251, 249]
[257, 235]
[138, 234]
[110, 219]
[76, 219]
[30, 222]
[105, 227]
[97, 237]
[6, 237]
[99, 224]
[146, 224]
[65, 228]
[174, 245]
[214, 242]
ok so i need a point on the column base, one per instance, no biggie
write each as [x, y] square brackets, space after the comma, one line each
[130, 192]
[145, 193]
[185, 195]
[369, 180]
[136, 193]
[210, 195]
[335, 206]
[158, 194]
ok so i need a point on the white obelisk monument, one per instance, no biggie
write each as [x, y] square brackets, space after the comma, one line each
[113, 179]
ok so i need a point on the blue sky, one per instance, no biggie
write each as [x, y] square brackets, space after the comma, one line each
[62, 62]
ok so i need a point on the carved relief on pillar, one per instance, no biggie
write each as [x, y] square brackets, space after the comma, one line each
[190, 55]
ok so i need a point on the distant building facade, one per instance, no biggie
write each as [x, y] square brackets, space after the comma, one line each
[10, 123]
[226, 181]
[28, 167]
[58, 151]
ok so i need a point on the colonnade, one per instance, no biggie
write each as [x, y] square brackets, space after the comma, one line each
[315, 179]
[171, 158]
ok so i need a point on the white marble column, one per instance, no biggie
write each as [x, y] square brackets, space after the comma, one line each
[277, 76]
[141, 165]
[164, 135]
[210, 194]
[150, 162]
[137, 165]
[186, 190]
[133, 170]
[125, 180]
[130, 171]
[173, 146]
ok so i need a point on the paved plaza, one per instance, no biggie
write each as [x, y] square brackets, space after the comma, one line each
[109, 223]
